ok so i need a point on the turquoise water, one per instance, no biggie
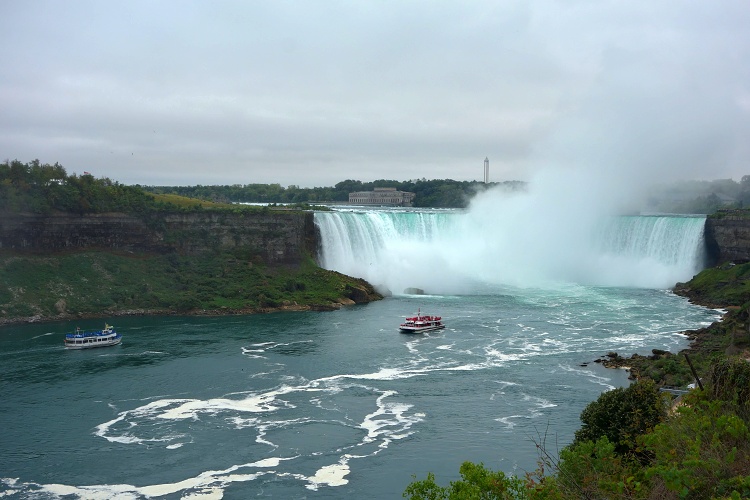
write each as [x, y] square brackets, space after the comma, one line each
[340, 404]
[315, 405]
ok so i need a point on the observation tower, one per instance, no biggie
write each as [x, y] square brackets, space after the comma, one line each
[486, 170]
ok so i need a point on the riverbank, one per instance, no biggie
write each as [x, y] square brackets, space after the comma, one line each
[725, 287]
[80, 285]
[329, 306]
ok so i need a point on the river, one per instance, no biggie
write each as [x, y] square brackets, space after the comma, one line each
[340, 404]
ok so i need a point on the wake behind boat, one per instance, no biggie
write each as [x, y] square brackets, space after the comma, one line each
[96, 338]
[421, 323]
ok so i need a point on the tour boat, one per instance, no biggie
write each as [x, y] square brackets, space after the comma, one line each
[97, 338]
[422, 323]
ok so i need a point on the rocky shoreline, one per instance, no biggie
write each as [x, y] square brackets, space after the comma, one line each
[729, 336]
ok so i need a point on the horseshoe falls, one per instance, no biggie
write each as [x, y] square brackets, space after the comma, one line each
[339, 404]
[468, 252]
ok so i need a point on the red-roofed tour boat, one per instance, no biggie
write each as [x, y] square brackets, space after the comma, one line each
[422, 323]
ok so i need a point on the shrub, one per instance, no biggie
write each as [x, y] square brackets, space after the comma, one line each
[623, 414]
[595, 470]
[476, 482]
[701, 452]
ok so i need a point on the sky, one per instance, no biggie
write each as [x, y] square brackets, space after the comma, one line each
[311, 93]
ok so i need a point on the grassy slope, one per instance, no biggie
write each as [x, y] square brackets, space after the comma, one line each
[103, 284]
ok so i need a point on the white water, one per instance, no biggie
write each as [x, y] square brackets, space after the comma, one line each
[497, 244]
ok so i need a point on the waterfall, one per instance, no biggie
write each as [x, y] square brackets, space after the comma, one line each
[444, 251]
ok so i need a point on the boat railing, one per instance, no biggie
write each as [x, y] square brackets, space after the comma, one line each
[80, 334]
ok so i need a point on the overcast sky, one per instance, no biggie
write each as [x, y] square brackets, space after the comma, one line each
[315, 92]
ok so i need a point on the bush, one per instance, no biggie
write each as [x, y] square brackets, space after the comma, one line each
[701, 452]
[623, 414]
[476, 482]
[595, 470]
[729, 380]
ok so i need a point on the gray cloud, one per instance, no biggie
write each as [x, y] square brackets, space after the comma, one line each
[311, 93]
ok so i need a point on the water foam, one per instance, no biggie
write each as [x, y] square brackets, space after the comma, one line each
[505, 240]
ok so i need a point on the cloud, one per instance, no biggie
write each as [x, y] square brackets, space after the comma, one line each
[316, 92]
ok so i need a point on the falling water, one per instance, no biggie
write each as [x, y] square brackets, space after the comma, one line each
[444, 251]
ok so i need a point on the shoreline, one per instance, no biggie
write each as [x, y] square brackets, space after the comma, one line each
[38, 319]
[724, 336]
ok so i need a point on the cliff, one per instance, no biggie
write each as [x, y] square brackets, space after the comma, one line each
[66, 266]
[277, 237]
[727, 236]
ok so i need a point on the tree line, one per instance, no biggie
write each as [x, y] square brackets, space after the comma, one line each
[40, 188]
[700, 197]
[37, 187]
[438, 193]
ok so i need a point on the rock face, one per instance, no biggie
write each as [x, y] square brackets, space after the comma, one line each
[727, 236]
[277, 237]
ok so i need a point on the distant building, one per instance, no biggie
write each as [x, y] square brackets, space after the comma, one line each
[486, 170]
[382, 196]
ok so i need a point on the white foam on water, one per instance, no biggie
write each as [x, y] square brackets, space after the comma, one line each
[391, 420]
[508, 421]
[590, 375]
[539, 402]
[44, 335]
[388, 416]
[254, 350]
[330, 475]
[208, 484]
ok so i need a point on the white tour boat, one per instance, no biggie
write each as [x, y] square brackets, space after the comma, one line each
[97, 338]
[421, 323]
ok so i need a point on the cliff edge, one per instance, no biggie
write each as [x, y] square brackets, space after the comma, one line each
[727, 235]
[68, 266]
[278, 237]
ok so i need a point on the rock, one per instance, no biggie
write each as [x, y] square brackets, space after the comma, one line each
[60, 306]
[414, 291]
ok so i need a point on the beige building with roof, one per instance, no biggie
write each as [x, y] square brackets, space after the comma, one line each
[382, 196]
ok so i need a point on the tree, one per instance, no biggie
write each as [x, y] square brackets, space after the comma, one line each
[477, 482]
[623, 414]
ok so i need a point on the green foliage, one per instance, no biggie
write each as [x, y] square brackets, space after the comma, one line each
[703, 451]
[728, 285]
[596, 470]
[100, 283]
[623, 414]
[729, 381]
[42, 188]
[668, 369]
[477, 482]
[443, 193]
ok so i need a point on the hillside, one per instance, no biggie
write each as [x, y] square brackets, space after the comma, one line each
[74, 247]
[103, 284]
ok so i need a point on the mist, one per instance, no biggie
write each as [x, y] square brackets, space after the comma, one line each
[564, 230]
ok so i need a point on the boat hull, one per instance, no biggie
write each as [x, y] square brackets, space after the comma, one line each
[81, 339]
[420, 329]
[92, 345]
[421, 323]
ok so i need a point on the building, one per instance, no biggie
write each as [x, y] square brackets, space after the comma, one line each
[382, 196]
[486, 169]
